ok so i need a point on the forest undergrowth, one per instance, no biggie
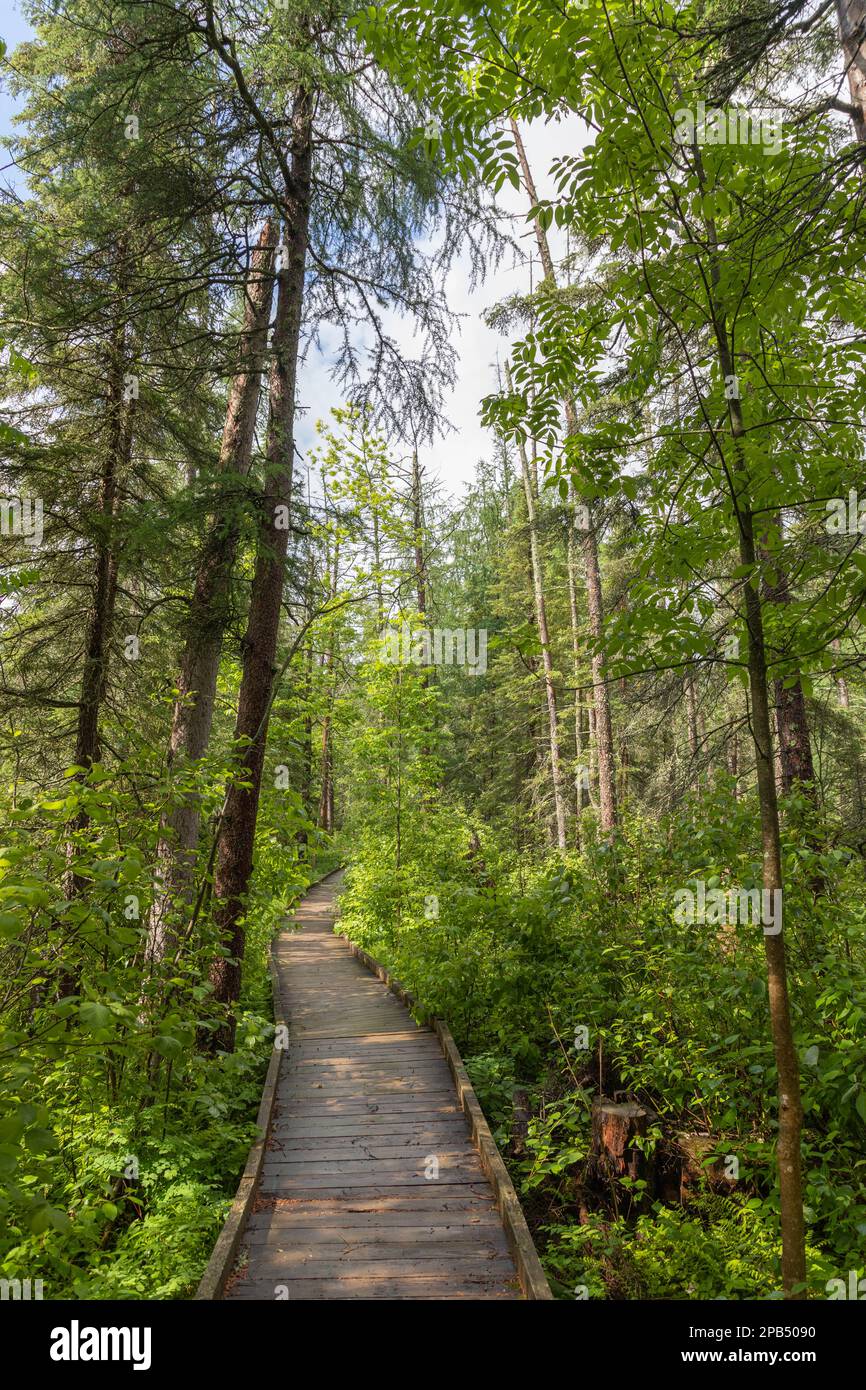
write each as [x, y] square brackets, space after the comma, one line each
[574, 980]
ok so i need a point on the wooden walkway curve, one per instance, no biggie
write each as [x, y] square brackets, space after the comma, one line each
[369, 1185]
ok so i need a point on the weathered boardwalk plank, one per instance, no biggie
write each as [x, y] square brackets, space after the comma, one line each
[370, 1186]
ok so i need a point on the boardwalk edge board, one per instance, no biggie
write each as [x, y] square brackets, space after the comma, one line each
[533, 1280]
[224, 1253]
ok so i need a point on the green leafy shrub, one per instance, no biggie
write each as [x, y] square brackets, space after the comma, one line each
[528, 965]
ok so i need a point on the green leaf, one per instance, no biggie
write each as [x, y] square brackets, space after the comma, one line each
[94, 1016]
[12, 924]
[41, 1141]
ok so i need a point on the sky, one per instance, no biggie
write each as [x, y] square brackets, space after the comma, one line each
[450, 460]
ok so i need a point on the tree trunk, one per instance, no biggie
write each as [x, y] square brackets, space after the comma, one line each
[418, 537]
[790, 1119]
[841, 682]
[796, 769]
[785, 1052]
[521, 1114]
[692, 717]
[208, 617]
[624, 754]
[94, 676]
[530, 488]
[581, 771]
[306, 786]
[326, 793]
[326, 799]
[377, 562]
[787, 1064]
[606, 761]
[734, 761]
[236, 835]
[852, 32]
[795, 748]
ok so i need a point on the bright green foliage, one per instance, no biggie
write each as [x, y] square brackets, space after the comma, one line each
[690, 275]
[716, 1253]
[114, 1173]
[675, 1016]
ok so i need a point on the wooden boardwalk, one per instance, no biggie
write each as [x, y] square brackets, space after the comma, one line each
[370, 1185]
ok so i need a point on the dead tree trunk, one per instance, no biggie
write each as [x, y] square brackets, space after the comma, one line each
[521, 1114]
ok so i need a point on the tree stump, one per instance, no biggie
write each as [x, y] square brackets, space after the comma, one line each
[615, 1127]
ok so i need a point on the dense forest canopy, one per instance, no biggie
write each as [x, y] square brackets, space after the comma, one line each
[586, 737]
